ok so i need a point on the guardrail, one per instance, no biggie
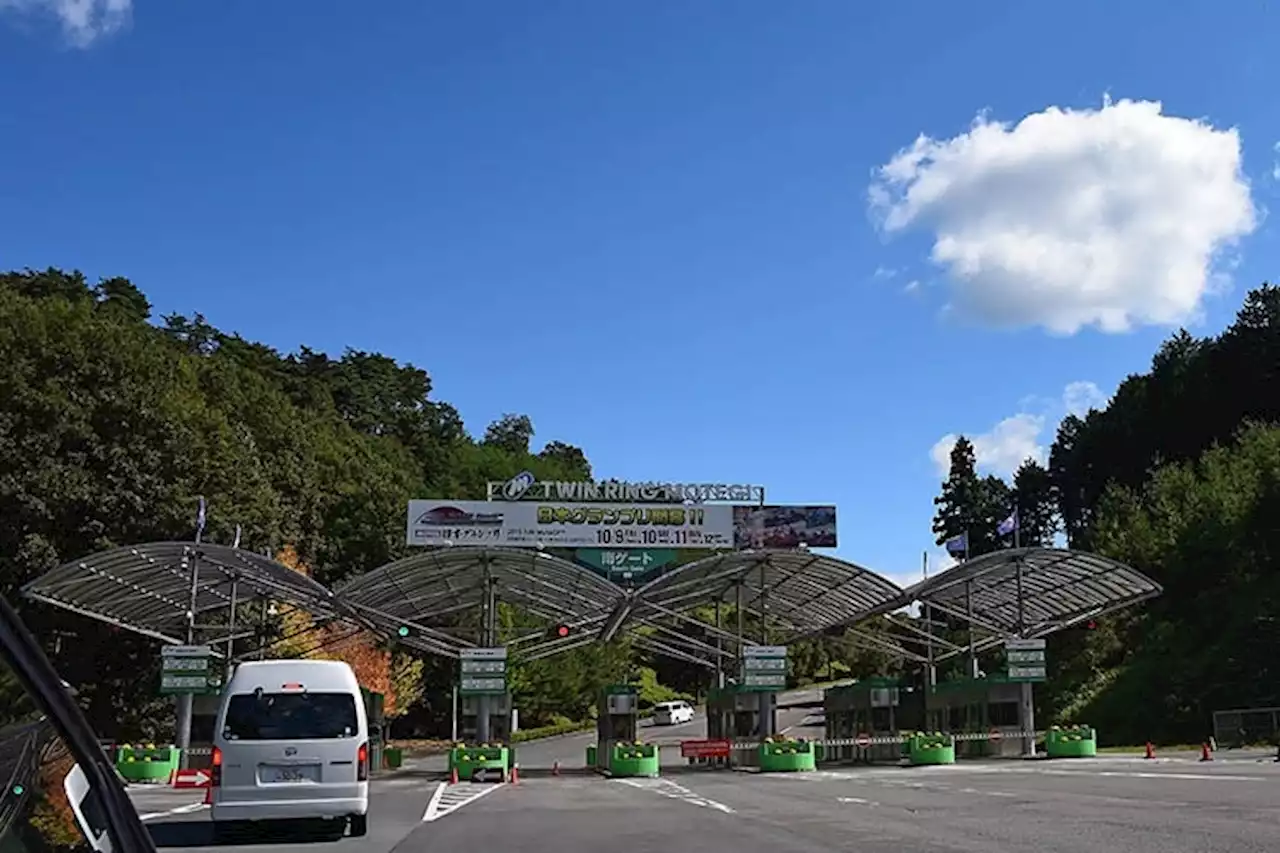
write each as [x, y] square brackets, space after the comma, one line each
[896, 740]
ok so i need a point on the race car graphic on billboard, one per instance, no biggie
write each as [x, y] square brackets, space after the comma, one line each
[759, 527]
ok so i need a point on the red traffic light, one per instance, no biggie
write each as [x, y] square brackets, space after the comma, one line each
[562, 630]
[1092, 625]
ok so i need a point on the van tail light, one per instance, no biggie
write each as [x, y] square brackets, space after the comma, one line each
[215, 769]
[362, 763]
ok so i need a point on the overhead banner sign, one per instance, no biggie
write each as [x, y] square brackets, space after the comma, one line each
[759, 527]
[525, 487]
[569, 525]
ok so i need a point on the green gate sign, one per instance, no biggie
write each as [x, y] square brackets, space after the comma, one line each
[483, 671]
[764, 669]
[625, 563]
[1025, 660]
[188, 669]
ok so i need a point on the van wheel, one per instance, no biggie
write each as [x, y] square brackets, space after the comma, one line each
[359, 825]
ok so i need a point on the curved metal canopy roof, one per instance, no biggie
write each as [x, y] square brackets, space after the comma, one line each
[801, 591]
[150, 588]
[431, 591]
[1058, 588]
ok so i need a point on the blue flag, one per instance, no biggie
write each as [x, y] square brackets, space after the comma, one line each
[957, 544]
[1009, 525]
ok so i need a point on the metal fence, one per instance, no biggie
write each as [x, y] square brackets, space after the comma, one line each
[1246, 727]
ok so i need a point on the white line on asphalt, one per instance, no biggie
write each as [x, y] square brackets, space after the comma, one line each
[433, 804]
[674, 791]
[857, 800]
[187, 809]
[449, 798]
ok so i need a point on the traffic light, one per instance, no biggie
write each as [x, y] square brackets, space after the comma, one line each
[402, 631]
[560, 631]
[1091, 625]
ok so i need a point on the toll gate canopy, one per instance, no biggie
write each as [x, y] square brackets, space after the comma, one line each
[161, 588]
[437, 594]
[1029, 592]
[795, 593]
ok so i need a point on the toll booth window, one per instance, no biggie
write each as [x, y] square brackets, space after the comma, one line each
[290, 716]
[1002, 714]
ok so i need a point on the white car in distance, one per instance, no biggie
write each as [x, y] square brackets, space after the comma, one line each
[672, 713]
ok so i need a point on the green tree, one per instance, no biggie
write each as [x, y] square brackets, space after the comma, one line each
[969, 504]
[1033, 498]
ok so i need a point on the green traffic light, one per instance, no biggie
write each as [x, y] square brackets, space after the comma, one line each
[403, 630]
[18, 790]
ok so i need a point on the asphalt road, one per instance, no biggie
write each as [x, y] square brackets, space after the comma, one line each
[1174, 804]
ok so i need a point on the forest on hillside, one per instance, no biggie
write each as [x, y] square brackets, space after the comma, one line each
[115, 421]
[1179, 477]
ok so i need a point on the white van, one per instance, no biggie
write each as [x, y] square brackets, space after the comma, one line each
[291, 741]
[672, 713]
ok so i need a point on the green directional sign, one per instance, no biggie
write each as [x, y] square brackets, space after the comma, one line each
[188, 669]
[1025, 660]
[764, 669]
[625, 564]
[484, 671]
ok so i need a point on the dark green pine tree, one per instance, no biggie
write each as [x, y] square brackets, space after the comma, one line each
[1033, 498]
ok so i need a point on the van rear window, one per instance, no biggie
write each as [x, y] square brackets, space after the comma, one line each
[290, 716]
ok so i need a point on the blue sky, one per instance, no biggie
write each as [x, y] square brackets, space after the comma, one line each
[651, 227]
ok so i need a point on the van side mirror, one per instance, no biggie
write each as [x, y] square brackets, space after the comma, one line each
[89, 813]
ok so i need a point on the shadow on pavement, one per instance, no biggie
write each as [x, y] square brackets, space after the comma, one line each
[192, 833]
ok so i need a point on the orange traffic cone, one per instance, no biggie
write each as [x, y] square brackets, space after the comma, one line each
[1151, 751]
[515, 774]
[453, 775]
[1204, 752]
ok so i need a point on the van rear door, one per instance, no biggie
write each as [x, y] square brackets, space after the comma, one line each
[288, 742]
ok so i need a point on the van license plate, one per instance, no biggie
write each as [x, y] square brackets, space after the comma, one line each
[289, 773]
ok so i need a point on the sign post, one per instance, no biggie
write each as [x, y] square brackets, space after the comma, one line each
[187, 670]
[483, 673]
[764, 668]
[1026, 660]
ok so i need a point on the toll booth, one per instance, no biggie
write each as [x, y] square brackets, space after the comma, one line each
[374, 711]
[499, 711]
[734, 713]
[978, 705]
[618, 751]
[617, 720]
[878, 707]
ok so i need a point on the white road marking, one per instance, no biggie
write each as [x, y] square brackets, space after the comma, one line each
[187, 809]
[674, 791]
[857, 800]
[447, 798]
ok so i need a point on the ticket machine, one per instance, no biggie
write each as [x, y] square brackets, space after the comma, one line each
[498, 710]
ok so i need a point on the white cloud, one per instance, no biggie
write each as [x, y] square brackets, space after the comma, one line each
[1079, 397]
[884, 273]
[911, 286]
[1017, 438]
[1275, 166]
[1111, 217]
[1000, 450]
[83, 21]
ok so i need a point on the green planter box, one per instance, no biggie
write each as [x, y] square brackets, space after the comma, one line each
[787, 756]
[468, 759]
[1071, 742]
[392, 757]
[634, 760]
[139, 764]
[935, 748]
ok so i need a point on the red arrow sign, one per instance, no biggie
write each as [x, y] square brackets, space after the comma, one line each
[863, 740]
[191, 779]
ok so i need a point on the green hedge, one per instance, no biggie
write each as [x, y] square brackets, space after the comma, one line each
[564, 728]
